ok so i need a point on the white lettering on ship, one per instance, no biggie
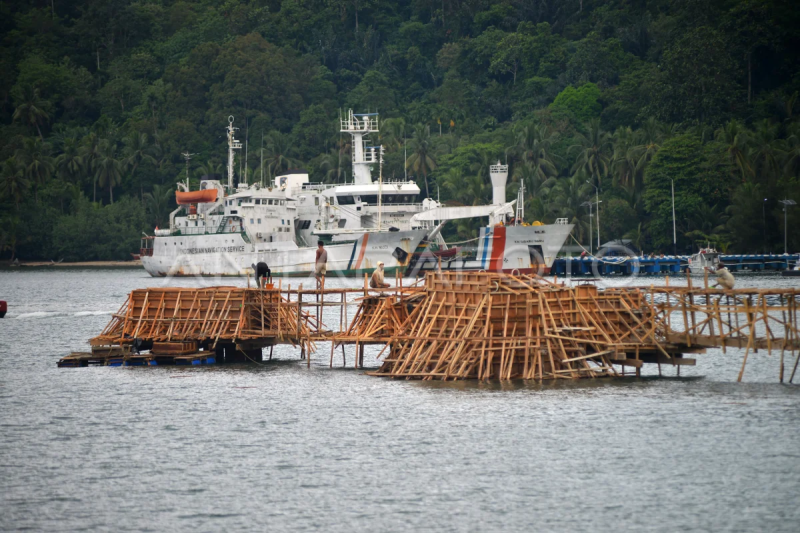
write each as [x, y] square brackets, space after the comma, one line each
[211, 250]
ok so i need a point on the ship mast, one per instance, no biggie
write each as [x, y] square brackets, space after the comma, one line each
[380, 187]
[233, 144]
[520, 203]
[358, 125]
[187, 156]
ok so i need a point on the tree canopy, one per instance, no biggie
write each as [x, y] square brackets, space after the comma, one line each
[101, 97]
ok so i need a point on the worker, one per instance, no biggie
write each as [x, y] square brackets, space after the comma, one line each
[724, 277]
[377, 282]
[321, 263]
[263, 274]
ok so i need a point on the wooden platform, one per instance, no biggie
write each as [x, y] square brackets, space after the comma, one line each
[456, 325]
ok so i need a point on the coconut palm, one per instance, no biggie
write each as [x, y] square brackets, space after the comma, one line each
[533, 143]
[736, 138]
[624, 161]
[767, 152]
[594, 153]
[108, 168]
[15, 185]
[90, 152]
[393, 134]
[331, 166]
[69, 162]
[567, 199]
[421, 159]
[159, 204]
[31, 108]
[39, 165]
[537, 187]
[210, 168]
[279, 153]
[137, 150]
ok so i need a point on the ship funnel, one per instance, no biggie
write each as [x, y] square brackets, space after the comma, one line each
[499, 174]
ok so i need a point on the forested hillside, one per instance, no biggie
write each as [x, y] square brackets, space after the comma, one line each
[99, 98]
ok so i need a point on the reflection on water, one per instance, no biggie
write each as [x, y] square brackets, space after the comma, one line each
[279, 446]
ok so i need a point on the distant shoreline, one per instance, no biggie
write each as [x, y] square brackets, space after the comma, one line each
[78, 264]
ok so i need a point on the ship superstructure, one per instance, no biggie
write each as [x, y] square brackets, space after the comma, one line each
[223, 230]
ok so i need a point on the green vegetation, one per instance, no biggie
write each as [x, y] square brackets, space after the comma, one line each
[101, 97]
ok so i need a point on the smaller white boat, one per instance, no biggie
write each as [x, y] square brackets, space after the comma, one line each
[705, 258]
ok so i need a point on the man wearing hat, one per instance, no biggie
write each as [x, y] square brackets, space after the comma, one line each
[377, 282]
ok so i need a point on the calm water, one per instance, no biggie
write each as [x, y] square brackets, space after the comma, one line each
[285, 448]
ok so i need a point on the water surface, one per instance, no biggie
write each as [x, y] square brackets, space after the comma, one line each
[282, 447]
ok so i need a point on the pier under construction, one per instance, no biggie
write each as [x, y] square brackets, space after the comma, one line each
[455, 325]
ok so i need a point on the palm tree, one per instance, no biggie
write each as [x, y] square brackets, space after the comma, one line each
[14, 185]
[108, 169]
[594, 153]
[767, 152]
[210, 168]
[90, 152]
[137, 151]
[624, 161]
[35, 156]
[70, 162]
[533, 148]
[637, 237]
[649, 139]
[330, 165]
[538, 187]
[736, 137]
[421, 159]
[31, 108]
[279, 153]
[792, 153]
[393, 133]
[159, 203]
[568, 197]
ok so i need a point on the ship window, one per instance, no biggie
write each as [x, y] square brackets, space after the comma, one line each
[283, 202]
[259, 221]
[251, 221]
[281, 222]
[342, 222]
[346, 200]
[239, 202]
[316, 200]
[369, 199]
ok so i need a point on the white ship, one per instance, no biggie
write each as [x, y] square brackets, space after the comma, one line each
[506, 244]
[362, 222]
[214, 234]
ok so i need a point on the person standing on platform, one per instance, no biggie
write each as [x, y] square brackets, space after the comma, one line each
[377, 282]
[321, 264]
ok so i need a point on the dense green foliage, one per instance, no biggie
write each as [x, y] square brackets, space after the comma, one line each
[101, 97]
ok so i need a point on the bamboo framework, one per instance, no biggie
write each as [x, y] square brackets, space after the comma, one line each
[463, 325]
[210, 316]
[499, 326]
[752, 319]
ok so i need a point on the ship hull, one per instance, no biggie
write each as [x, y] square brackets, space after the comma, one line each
[229, 255]
[508, 249]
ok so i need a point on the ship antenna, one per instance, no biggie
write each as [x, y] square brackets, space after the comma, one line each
[233, 144]
[380, 185]
[405, 155]
[262, 158]
[187, 156]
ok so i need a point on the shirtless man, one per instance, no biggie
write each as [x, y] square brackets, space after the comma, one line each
[321, 263]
